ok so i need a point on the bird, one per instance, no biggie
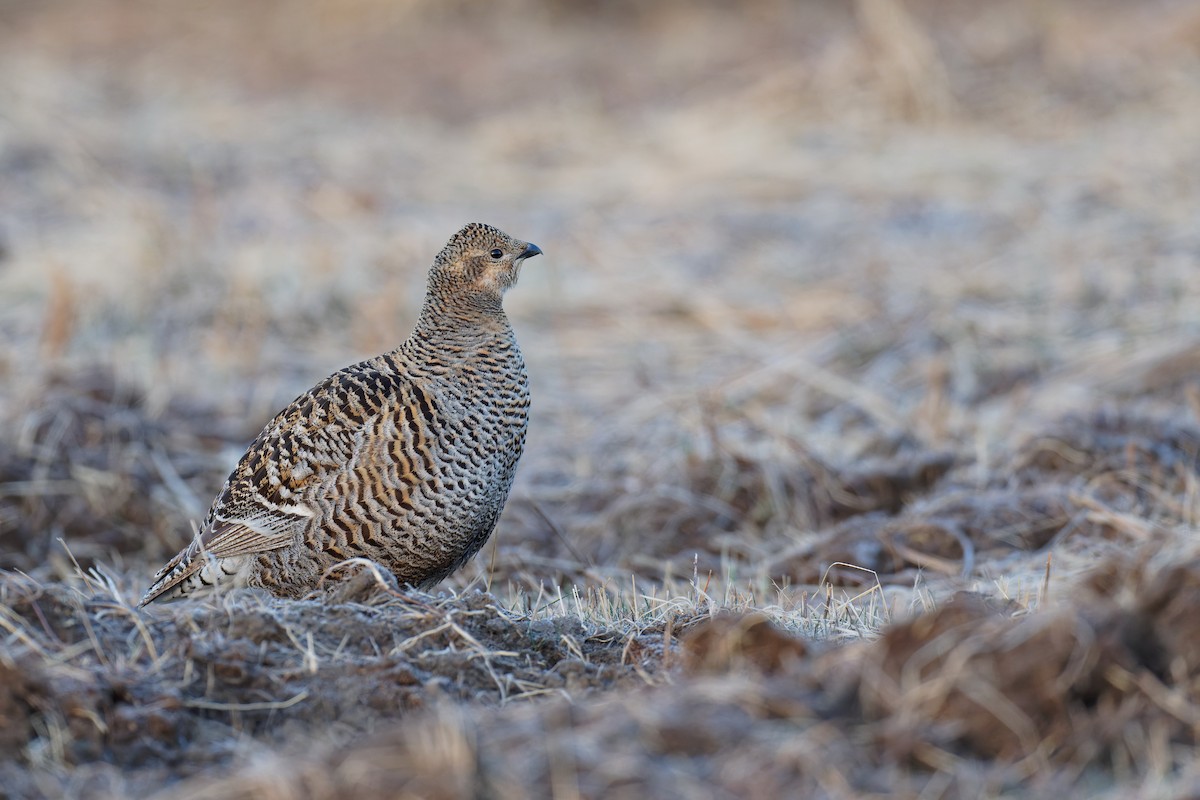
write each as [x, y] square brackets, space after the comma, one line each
[405, 459]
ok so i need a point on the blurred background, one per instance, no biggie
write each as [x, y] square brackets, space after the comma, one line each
[804, 258]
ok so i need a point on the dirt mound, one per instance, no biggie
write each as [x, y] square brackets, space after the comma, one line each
[733, 642]
[1101, 477]
[947, 534]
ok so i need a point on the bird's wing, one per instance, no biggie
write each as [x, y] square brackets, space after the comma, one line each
[320, 435]
[266, 503]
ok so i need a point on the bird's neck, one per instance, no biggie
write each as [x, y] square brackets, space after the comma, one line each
[460, 321]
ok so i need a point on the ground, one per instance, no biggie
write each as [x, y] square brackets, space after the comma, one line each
[865, 357]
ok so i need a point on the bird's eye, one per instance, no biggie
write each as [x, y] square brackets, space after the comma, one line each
[497, 254]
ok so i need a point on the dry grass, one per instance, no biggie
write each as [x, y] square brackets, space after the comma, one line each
[967, 701]
[93, 687]
[848, 309]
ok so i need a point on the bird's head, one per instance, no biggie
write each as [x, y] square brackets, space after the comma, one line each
[479, 261]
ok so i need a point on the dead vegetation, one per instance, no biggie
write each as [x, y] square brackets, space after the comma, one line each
[90, 465]
[87, 679]
[967, 700]
[865, 444]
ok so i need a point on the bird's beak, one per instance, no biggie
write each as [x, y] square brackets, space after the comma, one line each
[530, 251]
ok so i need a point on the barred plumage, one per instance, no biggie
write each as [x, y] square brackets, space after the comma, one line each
[405, 459]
